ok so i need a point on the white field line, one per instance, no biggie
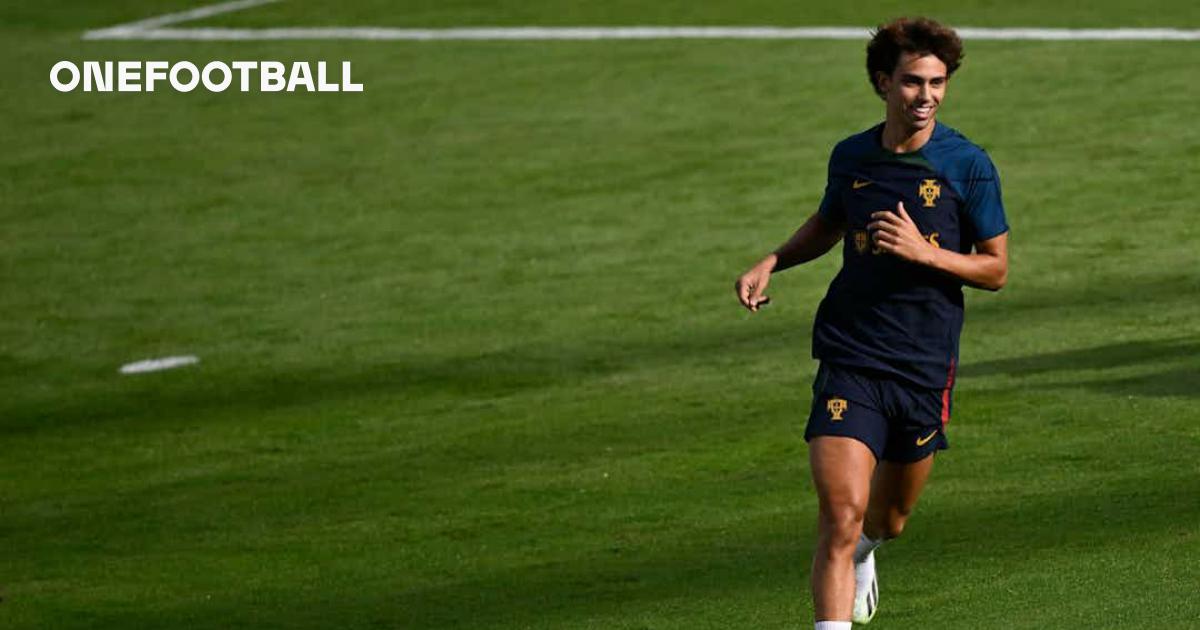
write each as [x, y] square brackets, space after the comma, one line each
[199, 13]
[154, 29]
[533, 33]
[157, 365]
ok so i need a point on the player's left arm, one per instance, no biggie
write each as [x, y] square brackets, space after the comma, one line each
[985, 268]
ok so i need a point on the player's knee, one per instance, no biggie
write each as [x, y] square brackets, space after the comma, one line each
[892, 529]
[841, 524]
[893, 524]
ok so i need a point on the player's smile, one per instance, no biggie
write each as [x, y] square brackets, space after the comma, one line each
[922, 111]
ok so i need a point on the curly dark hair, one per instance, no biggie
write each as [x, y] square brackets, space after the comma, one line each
[919, 35]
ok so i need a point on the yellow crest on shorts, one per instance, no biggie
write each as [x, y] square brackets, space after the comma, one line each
[836, 407]
[929, 191]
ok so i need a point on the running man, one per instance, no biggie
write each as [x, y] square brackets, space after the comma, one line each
[917, 208]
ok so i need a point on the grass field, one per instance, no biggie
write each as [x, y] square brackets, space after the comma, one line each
[470, 353]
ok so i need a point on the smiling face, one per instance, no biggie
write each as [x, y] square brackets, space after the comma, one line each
[913, 91]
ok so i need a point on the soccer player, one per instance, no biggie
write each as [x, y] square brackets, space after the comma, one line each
[917, 208]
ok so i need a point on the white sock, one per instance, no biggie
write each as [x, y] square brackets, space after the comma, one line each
[865, 546]
[833, 625]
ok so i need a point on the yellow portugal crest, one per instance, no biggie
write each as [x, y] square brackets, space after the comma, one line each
[929, 191]
[860, 241]
[836, 407]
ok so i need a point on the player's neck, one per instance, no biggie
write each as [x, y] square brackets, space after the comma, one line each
[899, 138]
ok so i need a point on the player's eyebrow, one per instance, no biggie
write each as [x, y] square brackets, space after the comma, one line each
[913, 77]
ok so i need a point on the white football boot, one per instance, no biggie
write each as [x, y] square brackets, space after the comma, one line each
[866, 590]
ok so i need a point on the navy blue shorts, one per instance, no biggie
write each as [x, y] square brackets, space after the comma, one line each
[897, 421]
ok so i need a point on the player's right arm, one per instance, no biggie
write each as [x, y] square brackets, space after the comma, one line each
[817, 236]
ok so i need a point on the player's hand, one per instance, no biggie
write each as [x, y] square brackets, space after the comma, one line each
[897, 234]
[750, 285]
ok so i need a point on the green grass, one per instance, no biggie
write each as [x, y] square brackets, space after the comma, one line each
[470, 353]
[430, 13]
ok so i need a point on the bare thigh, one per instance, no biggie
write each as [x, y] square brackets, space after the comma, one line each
[895, 489]
[842, 472]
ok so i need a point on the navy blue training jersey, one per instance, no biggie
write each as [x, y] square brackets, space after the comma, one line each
[881, 312]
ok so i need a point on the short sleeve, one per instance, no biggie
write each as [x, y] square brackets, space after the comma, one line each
[985, 209]
[832, 208]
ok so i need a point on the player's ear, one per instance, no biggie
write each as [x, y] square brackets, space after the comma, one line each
[883, 82]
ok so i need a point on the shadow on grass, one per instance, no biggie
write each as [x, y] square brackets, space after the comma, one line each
[248, 391]
[251, 390]
[1100, 292]
[1181, 382]
[1098, 357]
[1175, 381]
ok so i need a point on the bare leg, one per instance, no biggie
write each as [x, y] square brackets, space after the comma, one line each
[894, 493]
[841, 468]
